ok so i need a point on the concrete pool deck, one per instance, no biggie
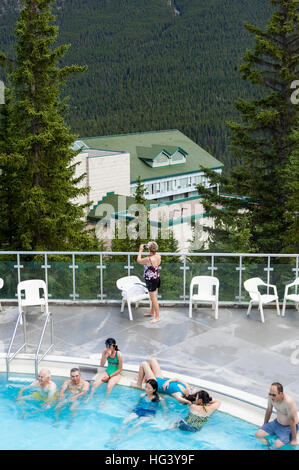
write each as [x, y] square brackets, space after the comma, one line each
[235, 351]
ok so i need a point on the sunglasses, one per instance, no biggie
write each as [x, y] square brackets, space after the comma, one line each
[272, 395]
[109, 344]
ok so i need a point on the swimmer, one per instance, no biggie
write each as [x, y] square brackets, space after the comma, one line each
[177, 388]
[146, 409]
[45, 389]
[199, 413]
[75, 388]
[112, 374]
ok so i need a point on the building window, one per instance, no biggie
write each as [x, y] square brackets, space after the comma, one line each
[169, 185]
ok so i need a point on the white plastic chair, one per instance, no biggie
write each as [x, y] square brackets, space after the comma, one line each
[251, 286]
[32, 295]
[293, 297]
[133, 290]
[205, 292]
[1, 285]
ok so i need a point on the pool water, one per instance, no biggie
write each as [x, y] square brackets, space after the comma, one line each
[26, 425]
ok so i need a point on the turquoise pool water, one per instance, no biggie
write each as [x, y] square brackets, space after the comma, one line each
[29, 426]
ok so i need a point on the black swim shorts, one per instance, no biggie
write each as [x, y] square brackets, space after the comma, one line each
[152, 284]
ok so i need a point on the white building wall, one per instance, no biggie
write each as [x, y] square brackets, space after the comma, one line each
[104, 173]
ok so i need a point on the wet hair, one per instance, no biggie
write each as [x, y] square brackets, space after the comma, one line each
[75, 369]
[199, 395]
[204, 396]
[112, 343]
[154, 384]
[278, 386]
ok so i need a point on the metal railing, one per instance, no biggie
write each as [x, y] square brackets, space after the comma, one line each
[92, 275]
[37, 359]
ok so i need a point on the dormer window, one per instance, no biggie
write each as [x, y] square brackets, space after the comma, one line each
[157, 157]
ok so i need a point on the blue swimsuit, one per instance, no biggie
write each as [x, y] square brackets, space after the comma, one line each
[146, 407]
[172, 388]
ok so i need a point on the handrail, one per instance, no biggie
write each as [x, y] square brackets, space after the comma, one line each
[37, 360]
[8, 355]
[184, 260]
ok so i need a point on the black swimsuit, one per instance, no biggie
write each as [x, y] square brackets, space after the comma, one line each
[151, 277]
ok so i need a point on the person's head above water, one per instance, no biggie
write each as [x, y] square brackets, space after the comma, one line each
[151, 386]
[111, 342]
[201, 395]
[75, 375]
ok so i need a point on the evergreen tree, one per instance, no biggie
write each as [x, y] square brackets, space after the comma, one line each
[263, 142]
[10, 177]
[291, 235]
[44, 182]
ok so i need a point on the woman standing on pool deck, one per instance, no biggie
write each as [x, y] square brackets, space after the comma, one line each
[115, 364]
[199, 412]
[151, 276]
[177, 388]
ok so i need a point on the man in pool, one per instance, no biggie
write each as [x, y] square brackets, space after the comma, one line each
[285, 426]
[45, 388]
[75, 388]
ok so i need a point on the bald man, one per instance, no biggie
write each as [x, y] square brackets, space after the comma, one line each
[45, 389]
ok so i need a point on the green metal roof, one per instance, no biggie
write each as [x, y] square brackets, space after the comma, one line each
[112, 199]
[147, 145]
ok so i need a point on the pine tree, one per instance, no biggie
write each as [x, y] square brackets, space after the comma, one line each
[10, 176]
[291, 235]
[262, 142]
[45, 218]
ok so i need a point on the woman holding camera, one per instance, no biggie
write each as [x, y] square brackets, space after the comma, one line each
[151, 276]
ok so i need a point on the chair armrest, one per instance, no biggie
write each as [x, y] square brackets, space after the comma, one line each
[292, 284]
[273, 287]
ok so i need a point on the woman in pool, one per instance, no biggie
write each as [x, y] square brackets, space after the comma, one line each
[199, 413]
[146, 408]
[174, 387]
[111, 376]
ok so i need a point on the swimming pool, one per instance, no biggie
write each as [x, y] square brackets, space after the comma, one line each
[29, 426]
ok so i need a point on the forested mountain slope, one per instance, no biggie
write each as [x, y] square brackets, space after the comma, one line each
[153, 64]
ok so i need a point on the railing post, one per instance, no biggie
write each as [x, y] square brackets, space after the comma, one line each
[240, 269]
[18, 266]
[46, 266]
[296, 270]
[268, 269]
[74, 267]
[129, 267]
[101, 267]
[184, 268]
[212, 267]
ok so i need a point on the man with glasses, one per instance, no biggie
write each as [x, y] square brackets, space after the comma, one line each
[285, 426]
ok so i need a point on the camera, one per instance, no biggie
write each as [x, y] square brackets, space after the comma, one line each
[145, 247]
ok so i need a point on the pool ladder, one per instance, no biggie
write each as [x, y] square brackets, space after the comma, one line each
[37, 359]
